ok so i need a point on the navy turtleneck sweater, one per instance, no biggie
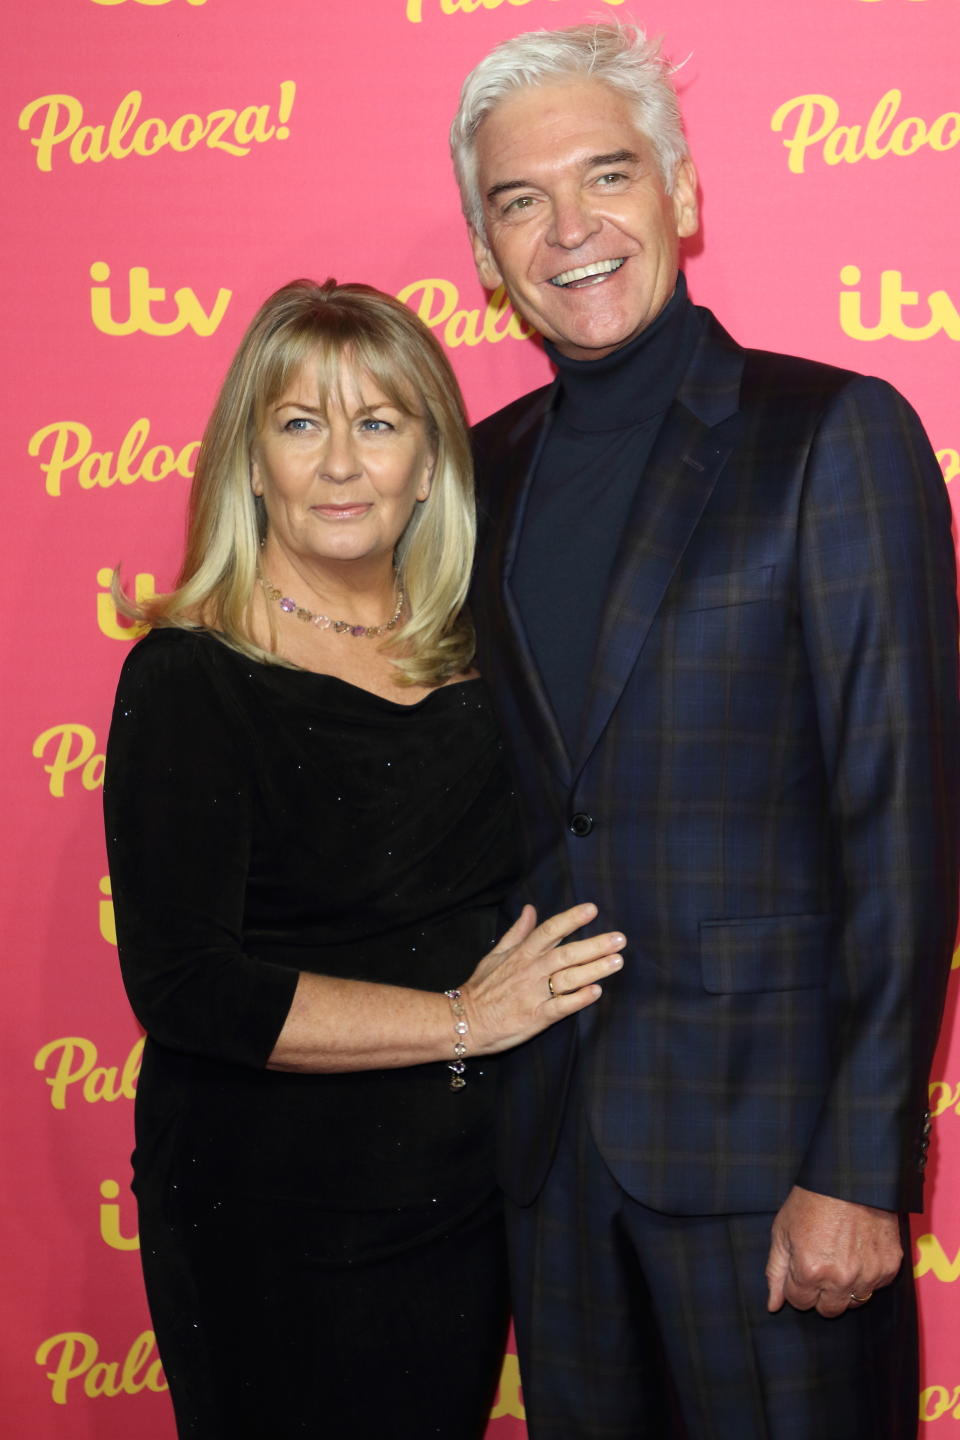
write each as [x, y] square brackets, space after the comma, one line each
[602, 432]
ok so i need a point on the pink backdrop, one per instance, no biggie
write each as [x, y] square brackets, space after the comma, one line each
[166, 164]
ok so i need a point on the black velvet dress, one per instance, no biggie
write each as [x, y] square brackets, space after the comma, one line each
[322, 1253]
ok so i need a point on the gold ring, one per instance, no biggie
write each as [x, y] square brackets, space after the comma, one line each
[861, 1299]
[553, 993]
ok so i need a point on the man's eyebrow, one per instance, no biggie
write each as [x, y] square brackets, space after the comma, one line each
[593, 162]
[507, 185]
[616, 157]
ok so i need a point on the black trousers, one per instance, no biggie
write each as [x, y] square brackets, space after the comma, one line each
[633, 1325]
[275, 1327]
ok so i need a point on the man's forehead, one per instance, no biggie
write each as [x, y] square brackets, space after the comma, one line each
[542, 129]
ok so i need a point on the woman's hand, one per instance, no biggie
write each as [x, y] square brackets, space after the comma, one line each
[530, 980]
[335, 1026]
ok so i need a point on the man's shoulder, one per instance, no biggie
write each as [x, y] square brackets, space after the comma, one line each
[776, 371]
[775, 377]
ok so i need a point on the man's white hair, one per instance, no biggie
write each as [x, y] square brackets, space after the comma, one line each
[619, 55]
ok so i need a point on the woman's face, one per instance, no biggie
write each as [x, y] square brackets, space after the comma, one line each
[339, 482]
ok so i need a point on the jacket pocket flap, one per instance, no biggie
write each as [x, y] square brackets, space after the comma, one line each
[738, 587]
[770, 952]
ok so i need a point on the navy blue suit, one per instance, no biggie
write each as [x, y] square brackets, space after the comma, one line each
[763, 795]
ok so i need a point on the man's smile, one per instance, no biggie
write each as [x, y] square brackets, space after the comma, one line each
[589, 273]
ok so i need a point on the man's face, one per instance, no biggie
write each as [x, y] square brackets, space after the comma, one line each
[580, 228]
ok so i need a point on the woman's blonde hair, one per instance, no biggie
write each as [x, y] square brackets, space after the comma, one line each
[373, 333]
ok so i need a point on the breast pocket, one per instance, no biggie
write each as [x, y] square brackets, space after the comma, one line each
[771, 952]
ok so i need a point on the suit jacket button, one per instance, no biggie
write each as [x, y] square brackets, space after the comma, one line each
[581, 824]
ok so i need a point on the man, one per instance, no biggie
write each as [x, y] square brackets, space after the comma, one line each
[716, 601]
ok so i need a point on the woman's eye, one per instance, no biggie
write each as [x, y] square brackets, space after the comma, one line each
[375, 427]
[298, 424]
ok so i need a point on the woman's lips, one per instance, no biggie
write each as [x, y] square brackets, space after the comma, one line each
[340, 512]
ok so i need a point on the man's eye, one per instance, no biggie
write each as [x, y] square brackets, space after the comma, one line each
[522, 202]
[612, 178]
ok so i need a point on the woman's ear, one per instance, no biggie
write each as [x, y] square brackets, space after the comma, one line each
[423, 489]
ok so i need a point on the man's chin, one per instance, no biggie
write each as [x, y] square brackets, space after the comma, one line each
[593, 344]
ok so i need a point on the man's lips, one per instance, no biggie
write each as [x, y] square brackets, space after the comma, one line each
[587, 274]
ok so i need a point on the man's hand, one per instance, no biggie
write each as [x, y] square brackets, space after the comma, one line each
[824, 1252]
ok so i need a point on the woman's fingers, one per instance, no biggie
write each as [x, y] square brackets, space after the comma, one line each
[558, 927]
[574, 977]
[532, 979]
[581, 952]
[520, 929]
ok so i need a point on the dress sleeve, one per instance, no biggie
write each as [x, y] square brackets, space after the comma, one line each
[178, 805]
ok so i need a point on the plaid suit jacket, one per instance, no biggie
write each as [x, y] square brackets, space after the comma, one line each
[763, 796]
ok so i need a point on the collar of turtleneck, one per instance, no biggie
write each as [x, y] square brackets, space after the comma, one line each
[632, 384]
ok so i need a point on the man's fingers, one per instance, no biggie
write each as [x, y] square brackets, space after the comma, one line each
[831, 1303]
[776, 1275]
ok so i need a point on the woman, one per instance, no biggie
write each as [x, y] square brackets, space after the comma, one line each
[310, 829]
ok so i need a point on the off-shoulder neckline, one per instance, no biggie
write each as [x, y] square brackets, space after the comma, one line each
[299, 671]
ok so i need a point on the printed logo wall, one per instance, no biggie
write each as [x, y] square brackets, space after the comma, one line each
[166, 164]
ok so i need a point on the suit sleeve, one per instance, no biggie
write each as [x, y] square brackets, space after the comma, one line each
[178, 805]
[879, 616]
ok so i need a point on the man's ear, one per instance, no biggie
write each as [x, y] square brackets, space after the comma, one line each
[684, 197]
[490, 276]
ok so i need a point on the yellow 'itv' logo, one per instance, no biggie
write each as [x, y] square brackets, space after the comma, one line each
[109, 620]
[142, 297]
[111, 1232]
[895, 310]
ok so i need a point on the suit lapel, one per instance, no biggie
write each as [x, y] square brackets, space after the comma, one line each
[523, 446]
[688, 456]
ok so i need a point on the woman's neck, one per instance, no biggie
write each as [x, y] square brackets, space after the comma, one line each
[362, 591]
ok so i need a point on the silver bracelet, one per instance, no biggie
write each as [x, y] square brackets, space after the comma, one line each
[461, 1028]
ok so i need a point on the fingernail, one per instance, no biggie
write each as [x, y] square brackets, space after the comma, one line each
[616, 961]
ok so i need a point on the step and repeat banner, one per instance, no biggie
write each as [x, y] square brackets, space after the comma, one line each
[168, 163]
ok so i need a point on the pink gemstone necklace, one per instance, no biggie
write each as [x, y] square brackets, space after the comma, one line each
[324, 622]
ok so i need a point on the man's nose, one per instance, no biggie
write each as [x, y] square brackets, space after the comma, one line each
[572, 222]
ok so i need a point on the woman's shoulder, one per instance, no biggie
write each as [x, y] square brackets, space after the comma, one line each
[172, 648]
[179, 689]
[175, 660]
